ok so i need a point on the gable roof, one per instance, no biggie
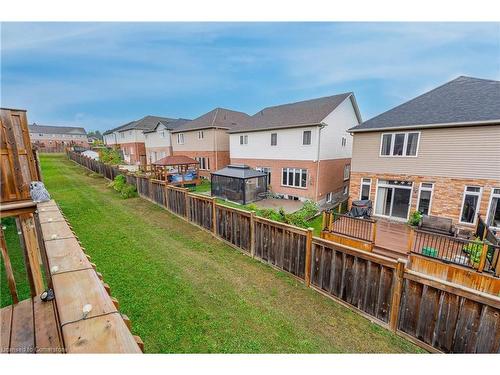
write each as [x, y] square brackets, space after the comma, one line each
[176, 160]
[170, 125]
[145, 123]
[462, 101]
[304, 113]
[217, 118]
[48, 129]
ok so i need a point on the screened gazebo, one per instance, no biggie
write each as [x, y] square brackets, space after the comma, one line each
[239, 183]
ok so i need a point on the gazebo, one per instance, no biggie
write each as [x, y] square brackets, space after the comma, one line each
[239, 183]
[177, 170]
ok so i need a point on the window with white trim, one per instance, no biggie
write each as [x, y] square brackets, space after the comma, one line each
[424, 198]
[294, 177]
[346, 189]
[201, 135]
[306, 137]
[347, 171]
[266, 170]
[274, 139]
[122, 135]
[366, 185]
[162, 134]
[180, 138]
[243, 139]
[204, 162]
[329, 197]
[470, 204]
[493, 218]
[399, 144]
[344, 141]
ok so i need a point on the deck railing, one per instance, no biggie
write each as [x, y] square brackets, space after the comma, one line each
[414, 305]
[362, 229]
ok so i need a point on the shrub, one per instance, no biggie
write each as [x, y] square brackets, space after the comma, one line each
[110, 156]
[128, 191]
[415, 218]
[121, 186]
[474, 249]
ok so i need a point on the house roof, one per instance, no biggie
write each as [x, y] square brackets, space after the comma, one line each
[239, 171]
[216, 118]
[462, 101]
[145, 123]
[175, 160]
[170, 125]
[304, 113]
[48, 129]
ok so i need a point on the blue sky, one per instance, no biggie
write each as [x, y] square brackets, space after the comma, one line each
[100, 75]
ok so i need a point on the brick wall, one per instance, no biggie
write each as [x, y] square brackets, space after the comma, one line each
[446, 198]
[222, 159]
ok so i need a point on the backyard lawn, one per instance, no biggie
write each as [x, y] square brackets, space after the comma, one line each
[186, 291]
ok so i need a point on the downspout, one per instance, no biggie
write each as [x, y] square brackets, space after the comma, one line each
[318, 161]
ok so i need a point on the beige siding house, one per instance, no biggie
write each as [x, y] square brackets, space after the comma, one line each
[438, 153]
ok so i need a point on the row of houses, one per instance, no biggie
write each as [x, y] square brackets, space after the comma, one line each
[48, 136]
[438, 153]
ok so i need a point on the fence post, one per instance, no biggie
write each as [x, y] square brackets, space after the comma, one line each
[374, 233]
[252, 234]
[330, 222]
[411, 239]
[214, 215]
[186, 198]
[167, 188]
[33, 256]
[323, 222]
[307, 271]
[482, 261]
[396, 294]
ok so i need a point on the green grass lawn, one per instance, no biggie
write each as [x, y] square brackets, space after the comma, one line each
[186, 291]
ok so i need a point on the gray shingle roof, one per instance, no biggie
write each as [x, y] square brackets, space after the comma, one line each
[308, 112]
[145, 123]
[239, 171]
[216, 118]
[48, 129]
[170, 125]
[463, 100]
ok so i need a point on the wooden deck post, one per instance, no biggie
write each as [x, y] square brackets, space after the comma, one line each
[32, 252]
[307, 271]
[396, 294]
[214, 215]
[330, 222]
[482, 261]
[8, 269]
[411, 239]
[252, 234]
[323, 222]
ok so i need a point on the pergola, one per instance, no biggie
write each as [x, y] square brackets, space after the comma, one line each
[177, 170]
[239, 183]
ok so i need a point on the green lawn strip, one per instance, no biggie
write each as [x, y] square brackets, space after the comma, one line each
[186, 291]
[17, 262]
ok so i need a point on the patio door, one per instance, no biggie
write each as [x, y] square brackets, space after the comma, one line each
[393, 199]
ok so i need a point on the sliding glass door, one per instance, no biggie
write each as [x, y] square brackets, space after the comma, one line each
[393, 199]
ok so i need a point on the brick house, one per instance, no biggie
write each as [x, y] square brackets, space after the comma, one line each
[206, 140]
[304, 147]
[438, 153]
[129, 138]
[158, 140]
[57, 137]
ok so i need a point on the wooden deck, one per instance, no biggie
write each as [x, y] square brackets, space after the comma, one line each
[391, 239]
[30, 326]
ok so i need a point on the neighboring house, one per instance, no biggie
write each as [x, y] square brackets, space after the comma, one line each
[438, 153]
[57, 136]
[158, 140]
[205, 138]
[304, 147]
[129, 138]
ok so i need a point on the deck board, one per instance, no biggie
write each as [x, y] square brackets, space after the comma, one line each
[5, 326]
[47, 336]
[392, 239]
[22, 337]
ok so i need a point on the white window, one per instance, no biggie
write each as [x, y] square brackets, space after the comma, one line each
[329, 197]
[493, 217]
[294, 177]
[180, 138]
[366, 185]
[344, 141]
[306, 137]
[347, 171]
[470, 204]
[163, 154]
[425, 198]
[266, 170]
[162, 134]
[201, 135]
[274, 139]
[346, 189]
[204, 162]
[122, 135]
[399, 144]
[243, 139]
[130, 132]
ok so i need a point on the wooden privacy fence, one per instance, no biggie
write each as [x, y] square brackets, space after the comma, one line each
[436, 314]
